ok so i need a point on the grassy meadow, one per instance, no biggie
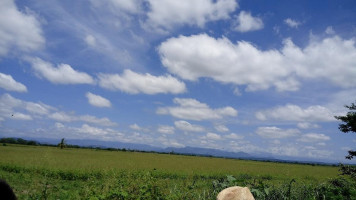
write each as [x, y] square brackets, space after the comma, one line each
[40, 172]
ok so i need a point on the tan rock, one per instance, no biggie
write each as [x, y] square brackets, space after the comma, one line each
[235, 193]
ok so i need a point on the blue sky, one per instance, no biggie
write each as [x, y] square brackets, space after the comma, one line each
[253, 76]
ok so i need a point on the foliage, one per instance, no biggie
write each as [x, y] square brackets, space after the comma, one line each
[349, 120]
[18, 141]
[62, 144]
[348, 170]
[349, 125]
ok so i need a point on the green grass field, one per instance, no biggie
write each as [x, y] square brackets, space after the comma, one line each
[38, 172]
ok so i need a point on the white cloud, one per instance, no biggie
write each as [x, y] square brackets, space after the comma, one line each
[275, 132]
[213, 136]
[37, 108]
[292, 112]
[18, 30]
[346, 148]
[95, 120]
[12, 108]
[221, 128]
[321, 144]
[169, 142]
[8, 83]
[299, 151]
[246, 22]
[192, 109]
[90, 40]
[284, 150]
[330, 59]
[117, 6]
[316, 153]
[62, 74]
[92, 130]
[134, 83]
[329, 30]
[186, 126]
[21, 116]
[234, 136]
[137, 127]
[196, 56]
[166, 129]
[66, 117]
[97, 100]
[237, 92]
[203, 56]
[307, 125]
[61, 116]
[59, 125]
[313, 137]
[170, 13]
[88, 132]
[292, 23]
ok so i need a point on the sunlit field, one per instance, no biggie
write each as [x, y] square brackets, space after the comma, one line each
[37, 172]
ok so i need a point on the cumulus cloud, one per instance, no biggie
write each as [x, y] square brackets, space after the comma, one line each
[92, 130]
[136, 127]
[221, 128]
[314, 137]
[186, 126]
[234, 136]
[9, 84]
[246, 22]
[330, 59]
[96, 131]
[59, 125]
[191, 109]
[307, 125]
[21, 116]
[104, 121]
[166, 129]
[275, 132]
[90, 40]
[97, 100]
[329, 30]
[203, 56]
[196, 56]
[292, 112]
[212, 136]
[13, 108]
[67, 117]
[292, 23]
[167, 142]
[134, 83]
[18, 30]
[117, 6]
[170, 13]
[62, 74]
[61, 116]
[299, 151]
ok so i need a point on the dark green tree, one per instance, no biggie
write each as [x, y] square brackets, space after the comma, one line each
[62, 144]
[349, 125]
